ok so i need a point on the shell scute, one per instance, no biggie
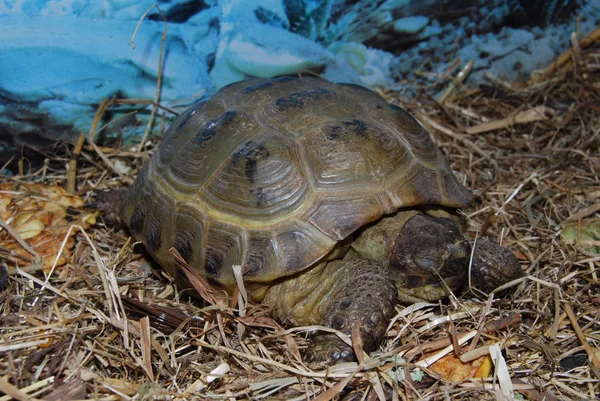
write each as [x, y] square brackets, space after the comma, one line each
[203, 153]
[261, 257]
[159, 222]
[298, 100]
[188, 236]
[408, 129]
[226, 247]
[338, 218]
[354, 155]
[178, 133]
[264, 177]
[300, 244]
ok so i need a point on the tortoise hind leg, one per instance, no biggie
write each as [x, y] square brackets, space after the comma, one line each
[338, 294]
[366, 294]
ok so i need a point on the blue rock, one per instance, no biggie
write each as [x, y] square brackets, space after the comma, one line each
[411, 25]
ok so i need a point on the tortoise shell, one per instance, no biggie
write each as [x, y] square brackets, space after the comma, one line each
[271, 174]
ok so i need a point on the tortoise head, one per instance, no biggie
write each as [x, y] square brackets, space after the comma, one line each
[431, 256]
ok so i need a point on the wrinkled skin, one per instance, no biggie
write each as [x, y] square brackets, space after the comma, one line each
[408, 257]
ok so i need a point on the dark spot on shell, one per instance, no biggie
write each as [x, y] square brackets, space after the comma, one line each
[259, 195]
[259, 250]
[253, 156]
[209, 129]
[238, 154]
[252, 153]
[250, 169]
[138, 217]
[285, 78]
[214, 262]
[183, 243]
[357, 127]
[299, 99]
[334, 132]
[266, 84]
[254, 88]
[153, 235]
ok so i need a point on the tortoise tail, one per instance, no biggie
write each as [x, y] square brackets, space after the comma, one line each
[108, 203]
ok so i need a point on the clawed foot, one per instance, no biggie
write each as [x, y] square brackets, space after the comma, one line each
[328, 347]
[363, 298]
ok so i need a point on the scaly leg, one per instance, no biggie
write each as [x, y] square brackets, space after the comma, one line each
[337, 294]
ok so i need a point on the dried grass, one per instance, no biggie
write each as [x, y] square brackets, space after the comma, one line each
[108, 327]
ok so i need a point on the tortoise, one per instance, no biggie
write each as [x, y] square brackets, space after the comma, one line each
[336, 203]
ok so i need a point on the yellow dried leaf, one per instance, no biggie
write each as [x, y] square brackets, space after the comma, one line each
[485, 369]
[29, 229]
[4, 212]
[451, 368]
[39, 214]
[90, 218]
[21, 219]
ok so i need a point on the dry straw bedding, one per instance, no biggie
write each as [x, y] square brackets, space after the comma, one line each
[106, 326]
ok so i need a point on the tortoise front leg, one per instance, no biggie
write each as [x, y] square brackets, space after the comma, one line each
[337, 294]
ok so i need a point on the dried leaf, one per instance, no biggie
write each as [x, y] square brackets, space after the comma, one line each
[42, 215]
[484, 369]
[200, 284]
[502, 372]
[29, 228]
[451, 368]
